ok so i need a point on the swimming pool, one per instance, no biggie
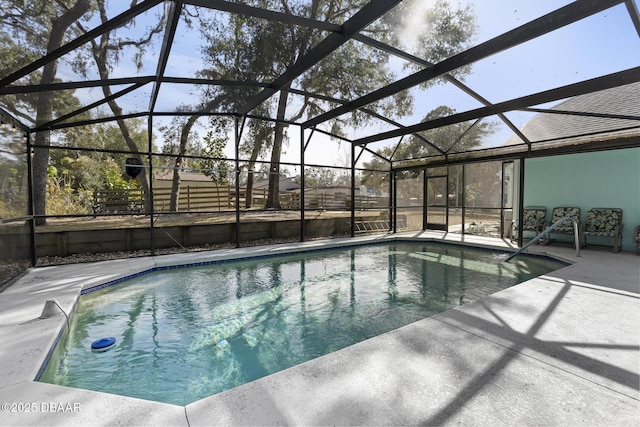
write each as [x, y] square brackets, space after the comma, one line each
[188, 333]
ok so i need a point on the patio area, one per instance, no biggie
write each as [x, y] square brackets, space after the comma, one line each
[561, 349]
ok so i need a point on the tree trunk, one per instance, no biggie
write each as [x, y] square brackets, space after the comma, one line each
[100, 56]
[45, 108]
[175, 182]
[250, 177]
[273, 196]
[143, 178]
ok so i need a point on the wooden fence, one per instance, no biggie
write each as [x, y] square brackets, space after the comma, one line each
[118, 201]
[195, 199]
[223, 198]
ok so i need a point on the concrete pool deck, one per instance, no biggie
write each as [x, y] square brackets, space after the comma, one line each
[561, 349]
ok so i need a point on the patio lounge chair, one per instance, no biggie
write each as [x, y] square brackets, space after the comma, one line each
[533, 219]
[566, 227]
[604, 222]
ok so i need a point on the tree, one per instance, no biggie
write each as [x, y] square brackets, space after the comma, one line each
[61, 198]
[107, 52]
[433, 32]
[59, 27]
[483, 184]
[179, 130]
[257, 50]
[261, 51]
[13, 177]
[257, 143]
[91, 170]
[32, 29]
[452, 138]
[324, 177]
[213, 164]
[41, 28]
[25, 29]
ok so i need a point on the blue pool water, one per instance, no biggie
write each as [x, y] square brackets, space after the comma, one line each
[188, 333]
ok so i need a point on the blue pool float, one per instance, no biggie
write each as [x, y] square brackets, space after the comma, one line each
[103, 344]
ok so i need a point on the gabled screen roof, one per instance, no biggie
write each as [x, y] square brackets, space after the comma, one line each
[419, 80]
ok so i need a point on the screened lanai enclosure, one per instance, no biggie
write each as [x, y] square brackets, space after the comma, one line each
[155, 126]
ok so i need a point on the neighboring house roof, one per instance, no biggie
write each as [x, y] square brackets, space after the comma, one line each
[167, 175]
[286, 184]
[620, 107]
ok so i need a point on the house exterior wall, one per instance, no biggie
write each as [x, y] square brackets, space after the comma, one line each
[606, 179]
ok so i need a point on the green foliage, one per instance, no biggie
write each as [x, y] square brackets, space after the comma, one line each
[253, 49]
[62, 199]
[433, 33]
[73, 176]
[453, 138]
[108, 136]
[325, 177]
[31, 28]
[113, 178]
[25, 28]
[259, 50]
[446, 139]
[171, 134]
[259, 137]
[91, 170]
[70, 186]
[214, 165]
[13, 189]
[483, 184]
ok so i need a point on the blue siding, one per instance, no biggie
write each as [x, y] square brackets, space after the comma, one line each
[607, 179]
